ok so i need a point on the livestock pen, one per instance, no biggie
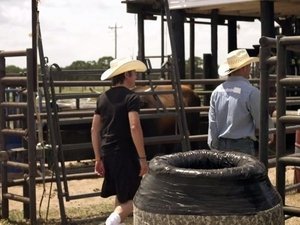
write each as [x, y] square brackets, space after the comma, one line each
[74, 119]
[54, 143]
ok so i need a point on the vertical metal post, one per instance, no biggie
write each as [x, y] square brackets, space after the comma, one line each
[265, 53]
[267, 18]
[31, 134]
[141, 39]
[31, 88]
[176, 77]
[55, 143]
[2, 99]
[34, 13]
[178, 35]
[192, 48]
[280, 126]
[232, 35]
[214, 41]
[162, 26]
[4, 178]
[208, 74]
[41, 51]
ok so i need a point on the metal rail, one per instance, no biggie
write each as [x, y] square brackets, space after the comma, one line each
[283, 44]
[95, 83]
[55, 142]
[266, 61]
[25, 130]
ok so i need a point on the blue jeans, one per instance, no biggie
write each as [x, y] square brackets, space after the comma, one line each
[244, 145]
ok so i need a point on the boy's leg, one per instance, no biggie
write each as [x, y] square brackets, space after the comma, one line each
[121, 212]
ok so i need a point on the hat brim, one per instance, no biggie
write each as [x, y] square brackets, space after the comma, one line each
[225, 70]
[135, 65]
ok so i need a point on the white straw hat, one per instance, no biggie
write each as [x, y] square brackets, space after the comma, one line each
[236, 60]
[119, 66]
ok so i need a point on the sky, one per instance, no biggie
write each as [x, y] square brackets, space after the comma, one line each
[82, 30]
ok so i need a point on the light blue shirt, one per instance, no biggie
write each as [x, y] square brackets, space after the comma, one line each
[234, 110]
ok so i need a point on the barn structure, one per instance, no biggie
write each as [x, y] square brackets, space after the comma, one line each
[281, 53]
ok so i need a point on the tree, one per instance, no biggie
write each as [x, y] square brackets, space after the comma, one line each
[103, 62]
[77, 65]
[198, 65]
[14, 69]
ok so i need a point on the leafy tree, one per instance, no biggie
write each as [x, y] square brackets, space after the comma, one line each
[103, 62]
[77, 65]
[198, 65]
[92, 65]
[13, 69]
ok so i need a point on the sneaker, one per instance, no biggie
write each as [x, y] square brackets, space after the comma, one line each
[113, 219]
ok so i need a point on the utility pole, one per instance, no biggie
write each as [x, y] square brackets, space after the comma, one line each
[115, 28]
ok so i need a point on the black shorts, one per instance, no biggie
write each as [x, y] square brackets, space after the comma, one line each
[121, 176]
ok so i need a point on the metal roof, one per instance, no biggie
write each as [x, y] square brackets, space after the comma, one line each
[247, 8]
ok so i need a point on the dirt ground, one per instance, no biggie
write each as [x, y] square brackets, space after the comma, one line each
[99, 208]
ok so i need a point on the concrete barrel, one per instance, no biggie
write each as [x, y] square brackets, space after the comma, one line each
[207, 187]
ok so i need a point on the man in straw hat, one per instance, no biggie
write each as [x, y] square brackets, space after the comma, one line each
[234, 106]
[117, 138]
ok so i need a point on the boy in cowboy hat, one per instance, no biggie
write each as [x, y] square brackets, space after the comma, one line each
[117, 138]
[234, 106]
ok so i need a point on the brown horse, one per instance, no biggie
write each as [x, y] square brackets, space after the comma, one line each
[167, 125]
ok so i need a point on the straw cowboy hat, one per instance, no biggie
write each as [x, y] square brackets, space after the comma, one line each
[119, 66]
[236, 60]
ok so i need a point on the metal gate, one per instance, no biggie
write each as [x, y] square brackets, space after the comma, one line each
[284, 122]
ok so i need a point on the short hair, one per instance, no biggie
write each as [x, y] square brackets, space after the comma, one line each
[118, 79]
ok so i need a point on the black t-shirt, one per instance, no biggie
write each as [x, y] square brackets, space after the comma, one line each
[113, 107]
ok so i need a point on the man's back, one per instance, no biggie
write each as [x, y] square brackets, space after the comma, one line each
[236, 108]
[234, 112]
